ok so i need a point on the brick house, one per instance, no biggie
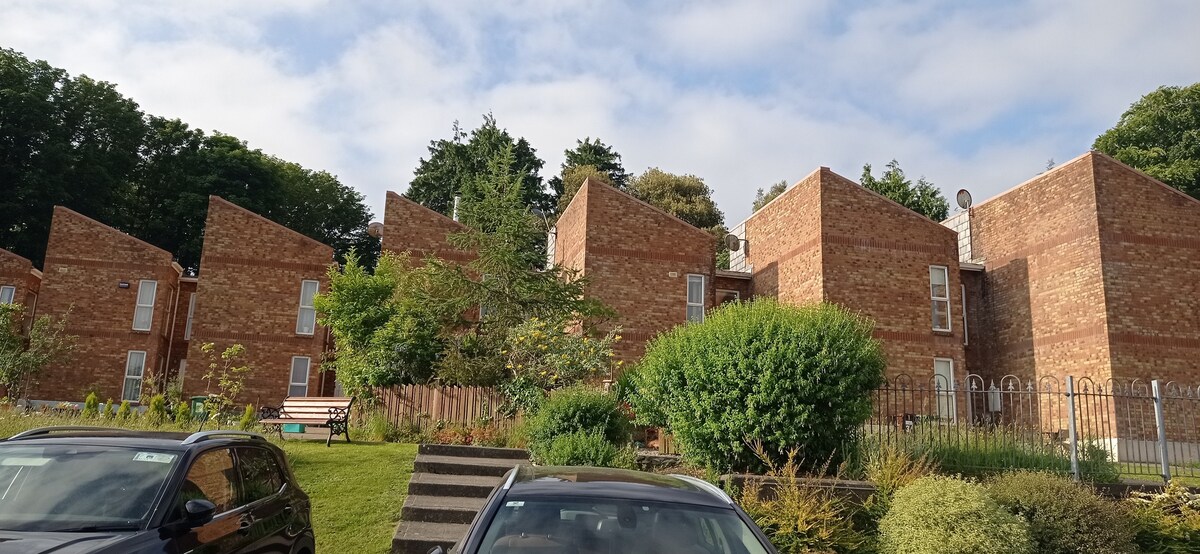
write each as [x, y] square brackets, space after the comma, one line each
[419, 231]
[19, 281]
[655, 270]
[119, 294]
[829, 239]
[256, 285]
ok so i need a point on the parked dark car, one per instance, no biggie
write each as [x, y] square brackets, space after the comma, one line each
[580, 510]
[72, 490]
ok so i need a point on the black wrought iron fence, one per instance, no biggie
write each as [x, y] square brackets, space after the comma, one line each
[1091, 430]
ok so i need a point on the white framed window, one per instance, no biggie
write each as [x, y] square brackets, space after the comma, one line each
[182, 370]
[7, 294]
[695, 297]
[725, 296]
[306, 320]
[143, 314]
[298, 384]
[943, 383]
[135, 368]
[939, 294]
[187, 329]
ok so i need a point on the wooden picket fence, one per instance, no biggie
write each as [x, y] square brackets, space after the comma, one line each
[426, 407]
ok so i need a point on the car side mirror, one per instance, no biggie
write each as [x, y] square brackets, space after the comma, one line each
[436, 550]
[198, 512]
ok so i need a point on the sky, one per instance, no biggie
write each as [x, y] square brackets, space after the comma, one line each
[969, 94]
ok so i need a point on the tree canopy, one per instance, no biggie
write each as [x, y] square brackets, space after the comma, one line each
[762, 198]
[77, 142]
[455, 165]
[1160, 135]
[588, 159]
[922, 197]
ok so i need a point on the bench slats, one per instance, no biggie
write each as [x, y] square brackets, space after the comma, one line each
[312, 410]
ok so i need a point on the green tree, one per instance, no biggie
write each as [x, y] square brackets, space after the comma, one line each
[24, 355]
[762, 198]
[64, 140]
[456, 163]
[573, 177]
[1160, 135]
[923, 197]
[227, 372]
[601, 157]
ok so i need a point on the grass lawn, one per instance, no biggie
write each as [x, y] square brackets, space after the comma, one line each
[356, 489]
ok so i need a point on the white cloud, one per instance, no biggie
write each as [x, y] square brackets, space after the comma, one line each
[742, 94]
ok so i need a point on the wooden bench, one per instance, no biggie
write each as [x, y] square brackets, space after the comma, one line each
[331, 412]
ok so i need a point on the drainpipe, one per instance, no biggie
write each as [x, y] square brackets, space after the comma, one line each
[171, 336]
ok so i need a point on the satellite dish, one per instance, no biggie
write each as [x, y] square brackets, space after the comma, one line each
[732, 242]
[964, 199]
[375, 229]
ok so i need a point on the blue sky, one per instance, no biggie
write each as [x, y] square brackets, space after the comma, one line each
[975, 95]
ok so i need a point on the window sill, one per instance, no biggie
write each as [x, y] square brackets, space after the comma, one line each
[944, 332]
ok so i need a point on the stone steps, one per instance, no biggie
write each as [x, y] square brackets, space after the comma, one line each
[448, 487]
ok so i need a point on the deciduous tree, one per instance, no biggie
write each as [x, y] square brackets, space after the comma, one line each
[24, 355]
[1160, 135]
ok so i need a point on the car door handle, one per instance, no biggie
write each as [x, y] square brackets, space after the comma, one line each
[288, 510]
[245, 523]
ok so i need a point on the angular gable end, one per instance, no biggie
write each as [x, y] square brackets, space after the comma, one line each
[411, 227]
[602, 196]
[257, 235]
[69, 229]
[862, 200]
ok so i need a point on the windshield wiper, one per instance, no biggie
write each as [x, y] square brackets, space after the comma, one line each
[98, 528]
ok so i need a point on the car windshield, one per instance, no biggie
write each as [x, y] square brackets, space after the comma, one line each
[79, 488]
[630, 527]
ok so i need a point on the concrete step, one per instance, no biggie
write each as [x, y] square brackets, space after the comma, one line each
[440, 509]
[432, 484]
[454, 465]
[417, 537]
[473, 451]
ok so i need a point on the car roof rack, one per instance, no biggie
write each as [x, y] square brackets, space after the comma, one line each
[44, 431]
[207, 435]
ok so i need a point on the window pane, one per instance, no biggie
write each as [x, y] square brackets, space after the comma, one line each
[6, 294]
[695, 313]
[143, 316]
[187, 331]
[937, 275]
[146, 290]
[300, 370]
[306, 322]
[211, 477]
[695, 292]
[941, 314]
[297, 390]
[135, 364]
[308, 289]
[132, 390]
[261, 476]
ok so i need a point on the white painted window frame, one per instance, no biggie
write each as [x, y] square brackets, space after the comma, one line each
[945, 300]
[307, 309]
[140, 377]
[138, 306]
[10, 292]
[691, 278]
[292, 375]
[944, 389]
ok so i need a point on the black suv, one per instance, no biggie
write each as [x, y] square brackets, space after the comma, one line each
[71, 490]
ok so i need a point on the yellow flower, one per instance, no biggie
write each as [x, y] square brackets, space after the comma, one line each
[509, 366]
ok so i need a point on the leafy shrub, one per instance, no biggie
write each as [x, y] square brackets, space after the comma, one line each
[573, 410]
[545, 354]
[124, 411]
[91, 406]
[761, 371]
[110, 409]
[889, 468]
[249, 419]
[1064, 516]
[1166, 522]
[798, 517]
[157, 411]
[947, 515]
[183, 413]
[588, 448]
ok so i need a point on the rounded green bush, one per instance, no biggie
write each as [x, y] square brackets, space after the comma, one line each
[573, 410]
[936, 515]
[588, 448]
[1064, 516]
[761, 372]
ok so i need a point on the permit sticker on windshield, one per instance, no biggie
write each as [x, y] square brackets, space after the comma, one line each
[514, 504]
[156, 457]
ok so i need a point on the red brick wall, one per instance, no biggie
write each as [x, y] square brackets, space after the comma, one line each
[1150, 247]
[18, 272]
[1042, 287]
[179, 342]
[570, 234]
[726, 282]
[411, 227]
[784, 239]
[631, 251]
[248, 292]
[876, 257]
[85, 263]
